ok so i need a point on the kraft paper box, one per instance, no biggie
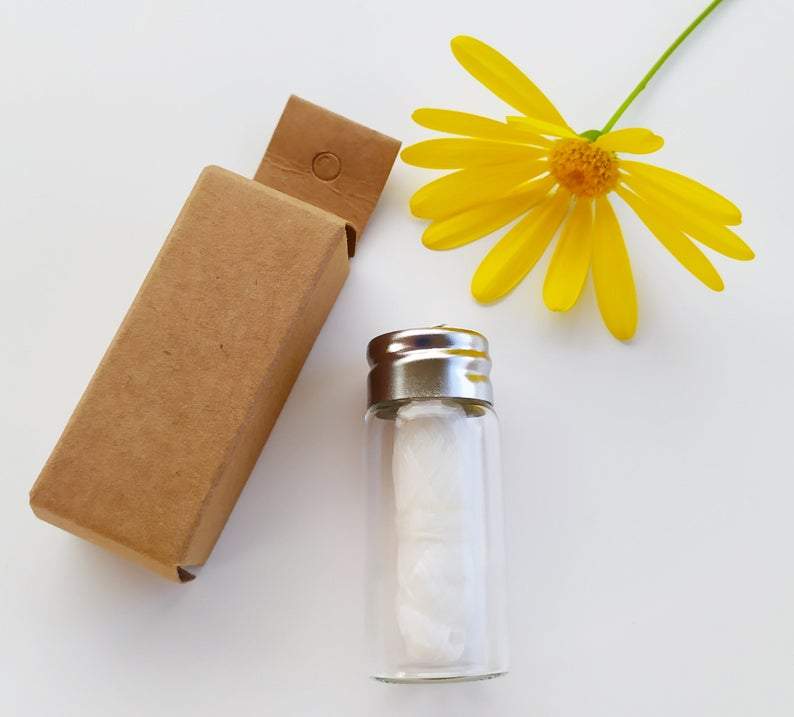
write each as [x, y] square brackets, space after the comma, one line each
[162, 442]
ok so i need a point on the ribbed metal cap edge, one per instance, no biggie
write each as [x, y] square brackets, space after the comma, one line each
[435, 362]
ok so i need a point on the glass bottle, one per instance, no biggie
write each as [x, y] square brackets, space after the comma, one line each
[436, 607]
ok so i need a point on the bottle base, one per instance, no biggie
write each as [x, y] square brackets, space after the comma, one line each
[403, 679]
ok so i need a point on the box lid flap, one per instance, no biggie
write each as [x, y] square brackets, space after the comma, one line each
[328, 161]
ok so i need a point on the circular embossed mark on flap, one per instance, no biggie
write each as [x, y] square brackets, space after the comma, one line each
[326, 166]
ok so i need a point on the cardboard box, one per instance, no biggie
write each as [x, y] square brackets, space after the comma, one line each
[159, 447]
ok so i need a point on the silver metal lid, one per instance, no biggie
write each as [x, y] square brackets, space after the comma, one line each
[437, 362]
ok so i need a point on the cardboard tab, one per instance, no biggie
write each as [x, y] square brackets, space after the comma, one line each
[328, 161]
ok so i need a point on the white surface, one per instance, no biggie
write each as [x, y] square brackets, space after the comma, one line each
[649, 487]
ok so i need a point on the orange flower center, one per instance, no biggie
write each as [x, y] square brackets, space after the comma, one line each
[582, 168]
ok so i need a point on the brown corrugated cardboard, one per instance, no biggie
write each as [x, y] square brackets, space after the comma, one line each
[165, 436]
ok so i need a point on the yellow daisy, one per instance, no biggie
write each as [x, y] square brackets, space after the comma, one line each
[536, 167]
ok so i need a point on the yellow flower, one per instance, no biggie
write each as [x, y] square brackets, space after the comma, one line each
[535, 165]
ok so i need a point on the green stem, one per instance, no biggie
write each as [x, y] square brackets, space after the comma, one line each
[669, 51]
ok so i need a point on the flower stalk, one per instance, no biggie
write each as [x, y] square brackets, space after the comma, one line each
[656, 67]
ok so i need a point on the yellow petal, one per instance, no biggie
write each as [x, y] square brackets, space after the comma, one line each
[503, 78]
[471, 187]
[571, 261]
[541, 127]
[687, 217]
[480, 221]
[634, 140]
[469, 125]
[455, 153]
[674, 241]
[518, 251]
[686, 190]
[612, 277]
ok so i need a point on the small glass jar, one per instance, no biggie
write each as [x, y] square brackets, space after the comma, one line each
[436, 607]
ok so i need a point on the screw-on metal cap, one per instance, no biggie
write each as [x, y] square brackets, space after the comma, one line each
[438, 362]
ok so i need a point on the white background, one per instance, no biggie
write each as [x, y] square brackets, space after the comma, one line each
[649, 487]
